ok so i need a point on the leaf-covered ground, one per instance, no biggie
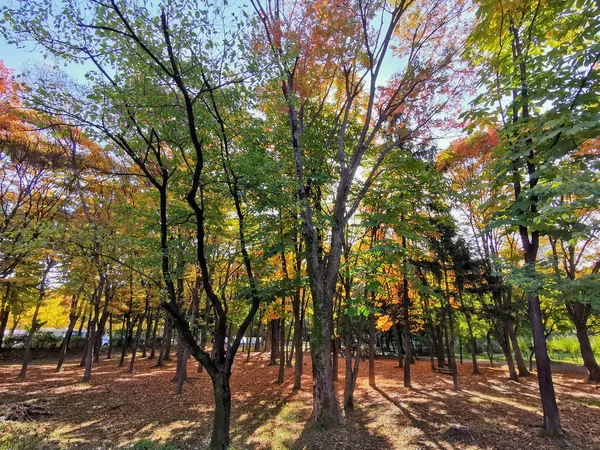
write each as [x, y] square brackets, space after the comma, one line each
[118, 409]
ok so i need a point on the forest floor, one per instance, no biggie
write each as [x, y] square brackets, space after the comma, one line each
[117, 410]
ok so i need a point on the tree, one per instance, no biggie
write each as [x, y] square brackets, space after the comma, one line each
[319, 73]
[540, 53]
[190, 83]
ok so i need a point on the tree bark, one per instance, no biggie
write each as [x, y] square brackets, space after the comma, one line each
[490, 348]
[521, 365]
[126, 338]
[398, 338]
[87, 341]
[163, 343]
[110, 337]
[4, 313]
[504, 340]
[406, 325]
[439, 344]
[351, 374]
[280, 375]
[148, 333]
[168, 339]
[579, 313]
[181, 371]
[298, 330]
[100, 331]
[249, 340]
[89, 350]
[372, 337]
[220, 432]
[136, 342]
[542, 362]
[35, 325]
[73, 316]
[588, 354]
[273, 341]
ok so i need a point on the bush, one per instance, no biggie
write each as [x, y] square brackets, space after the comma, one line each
[77, 341]
[44, 339]
[565, 346]
[41, 339]
[15, 341]
[595, 342]
[525, 345]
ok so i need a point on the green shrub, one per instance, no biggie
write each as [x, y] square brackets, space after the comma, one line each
[77, 341]
[595, 341]
[565, 346]
[44, 339]
[15, 341]
[524, 345]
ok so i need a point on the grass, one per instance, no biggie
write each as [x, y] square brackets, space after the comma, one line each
[147, 444]
[21, 436]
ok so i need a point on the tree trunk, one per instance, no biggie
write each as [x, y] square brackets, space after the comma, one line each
[406, 325]
[87, 342]
[325, 406]
[65, 343]
[474, 353]
[169, 338]
[490, 348]
[439, 345]
[257, 342]
[274, 341]
[89, 355]
[32, 331]
[407, 349]
[82, 323]
[100, 332]
[128, 332]
[154, 330]
[523, 372]
[204, 333]
[451, 357]
[504, 340]
[181, 371]
[588, 354]
[219, 439]
[351, 374]
[163, 343]
[148, 333]
[138, 334]
[471, 335]
[398, 337]
[579, 313]
[542, 362]
[110, 337]
[249, 340]
[49, 263]
[4, 313]
[280, 375]
[372, 337]
[335, 360]
[298, 344]
[289, 345]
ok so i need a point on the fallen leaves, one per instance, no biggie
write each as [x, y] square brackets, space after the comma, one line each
[120, 409]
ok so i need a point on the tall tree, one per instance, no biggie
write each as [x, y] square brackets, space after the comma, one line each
[543, 54]
[319, 72]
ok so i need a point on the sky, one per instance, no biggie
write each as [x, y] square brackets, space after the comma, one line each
[22, 57]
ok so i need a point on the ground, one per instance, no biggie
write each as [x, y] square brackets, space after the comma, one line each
[117, 410]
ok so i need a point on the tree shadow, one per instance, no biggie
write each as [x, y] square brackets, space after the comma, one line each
[353, 434]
